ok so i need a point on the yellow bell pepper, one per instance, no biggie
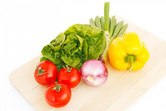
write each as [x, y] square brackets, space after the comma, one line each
[128, 52]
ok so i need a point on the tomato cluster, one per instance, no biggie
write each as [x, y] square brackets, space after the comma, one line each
[58, 93]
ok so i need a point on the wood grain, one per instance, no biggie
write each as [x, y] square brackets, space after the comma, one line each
[120, 91]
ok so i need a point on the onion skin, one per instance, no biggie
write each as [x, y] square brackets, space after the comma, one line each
[94, 72]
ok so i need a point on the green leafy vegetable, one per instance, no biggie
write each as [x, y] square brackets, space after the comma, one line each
[76, 45]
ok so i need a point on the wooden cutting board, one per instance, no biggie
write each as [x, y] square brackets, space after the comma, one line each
[120, 91]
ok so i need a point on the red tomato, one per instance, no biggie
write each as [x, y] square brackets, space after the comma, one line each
[69, 76]
[58, 94]
[45, 73]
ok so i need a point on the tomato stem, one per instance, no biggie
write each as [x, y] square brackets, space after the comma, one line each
[68, 69]
[57, 87]
[40, 71]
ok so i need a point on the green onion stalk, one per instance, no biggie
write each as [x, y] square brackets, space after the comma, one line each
[110, 26]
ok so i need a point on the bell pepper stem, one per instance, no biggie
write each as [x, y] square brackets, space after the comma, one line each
[130, 60]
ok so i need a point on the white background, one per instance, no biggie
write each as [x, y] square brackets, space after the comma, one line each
[27, 25]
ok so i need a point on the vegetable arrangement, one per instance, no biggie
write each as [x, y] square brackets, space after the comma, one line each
[82, 50]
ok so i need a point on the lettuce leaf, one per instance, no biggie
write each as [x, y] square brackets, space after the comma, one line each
[76, 45]
[94, 37]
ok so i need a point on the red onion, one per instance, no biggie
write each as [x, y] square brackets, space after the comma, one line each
[94, 72]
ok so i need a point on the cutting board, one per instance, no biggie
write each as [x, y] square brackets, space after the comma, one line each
[119, 92]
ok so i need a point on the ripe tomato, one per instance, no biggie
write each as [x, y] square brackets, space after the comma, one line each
[58, 94]
[45, 73]
[69, 76]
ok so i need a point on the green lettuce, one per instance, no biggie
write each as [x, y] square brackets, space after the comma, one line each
[76, 45]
